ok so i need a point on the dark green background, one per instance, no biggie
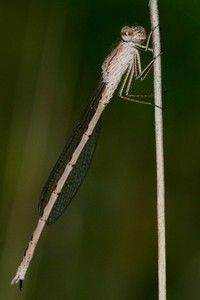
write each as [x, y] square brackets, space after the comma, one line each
[105, 246]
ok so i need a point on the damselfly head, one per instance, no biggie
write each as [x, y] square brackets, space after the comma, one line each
[135, 34]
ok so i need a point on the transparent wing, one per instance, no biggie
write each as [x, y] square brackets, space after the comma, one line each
[79, 170]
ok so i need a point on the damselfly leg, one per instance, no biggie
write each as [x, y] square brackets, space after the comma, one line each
[134, 72]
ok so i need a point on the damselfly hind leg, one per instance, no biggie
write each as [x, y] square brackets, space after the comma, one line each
[135, 72]
[130, 76]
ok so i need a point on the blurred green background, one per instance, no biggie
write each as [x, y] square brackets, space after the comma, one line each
[105, 246]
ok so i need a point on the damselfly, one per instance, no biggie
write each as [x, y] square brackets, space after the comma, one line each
[73, 163]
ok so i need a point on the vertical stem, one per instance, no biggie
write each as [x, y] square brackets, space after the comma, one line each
[159, 151]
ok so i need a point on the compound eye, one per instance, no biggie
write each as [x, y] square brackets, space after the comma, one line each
[126, 33]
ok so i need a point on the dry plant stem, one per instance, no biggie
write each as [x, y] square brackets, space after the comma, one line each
[159, 151]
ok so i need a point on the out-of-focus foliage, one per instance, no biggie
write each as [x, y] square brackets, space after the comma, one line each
[105, 246]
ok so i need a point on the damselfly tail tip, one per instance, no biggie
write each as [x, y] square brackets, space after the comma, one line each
[18, 280]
